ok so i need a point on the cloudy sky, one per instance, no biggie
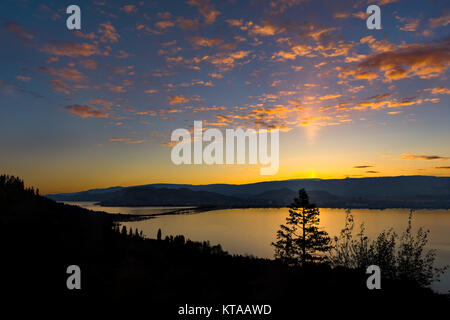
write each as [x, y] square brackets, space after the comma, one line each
[96, 107]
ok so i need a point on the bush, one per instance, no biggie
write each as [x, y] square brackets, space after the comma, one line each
[399, 257]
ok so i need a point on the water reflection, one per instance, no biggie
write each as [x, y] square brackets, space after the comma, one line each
[250, 231]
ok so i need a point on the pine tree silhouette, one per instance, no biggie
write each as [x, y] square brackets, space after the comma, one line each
[300, 241]
[158, 236]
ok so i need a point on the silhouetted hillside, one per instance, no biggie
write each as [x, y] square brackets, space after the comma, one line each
[41, 238]
[283, 197]
[147, 196]
[384, 192]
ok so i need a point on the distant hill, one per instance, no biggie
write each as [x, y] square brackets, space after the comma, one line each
[148, 196]
[380, 192]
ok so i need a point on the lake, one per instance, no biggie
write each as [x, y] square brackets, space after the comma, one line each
[251, 231]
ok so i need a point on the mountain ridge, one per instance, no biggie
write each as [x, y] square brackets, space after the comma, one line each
[400, 191]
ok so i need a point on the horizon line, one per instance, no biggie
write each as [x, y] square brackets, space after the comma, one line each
[241, 184]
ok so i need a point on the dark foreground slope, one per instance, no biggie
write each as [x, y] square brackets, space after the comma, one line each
[41, 238]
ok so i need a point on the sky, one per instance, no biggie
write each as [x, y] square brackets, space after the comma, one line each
[96, 107]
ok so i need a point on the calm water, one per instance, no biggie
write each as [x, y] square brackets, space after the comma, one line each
[250, 231]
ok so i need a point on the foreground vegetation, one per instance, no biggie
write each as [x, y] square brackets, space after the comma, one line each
[399, 256]
[41, 238]
[403, 257]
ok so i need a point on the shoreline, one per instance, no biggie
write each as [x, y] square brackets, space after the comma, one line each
[120, 217]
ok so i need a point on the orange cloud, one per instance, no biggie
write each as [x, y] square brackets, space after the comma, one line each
[106, 104]
[279, 6]
[205, 42]
[206, 9]
[424, 60]
[360, 15]
[378, 46]
[80, 34]
[235, 22]
[216, 75]
[86, 111]
[411, 24]
[383, 2]
[64, 73]
[317, 33]
[296, 50]
[356, 58]
[70, 49]
[440, 21]
[122, 69]
[108, 33]
[119, 89]
[173, 110]
[130, 8]
[169, 51]
[169, 144]
[226, 60]
[23, 78]
[356, 89]
[61, 86]
[123, 54]
[297, 68]
[333, 49]
[125, 140]
[179, 99]
[330, 96]
[164, 15]
[266, 29]
[19, 31]
[89, 64]
[214, 108]
[188, 24]
[380, 96]
[164, 24]
[386, 104]
[341, 15]
[439, 90]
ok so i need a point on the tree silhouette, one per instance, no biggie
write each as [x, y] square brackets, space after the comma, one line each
[300, 241]
[158, 236]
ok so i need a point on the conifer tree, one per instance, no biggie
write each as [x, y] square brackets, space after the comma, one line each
[300, 241]
[158, 236]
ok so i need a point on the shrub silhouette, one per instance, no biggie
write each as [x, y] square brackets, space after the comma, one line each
[399, 257]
